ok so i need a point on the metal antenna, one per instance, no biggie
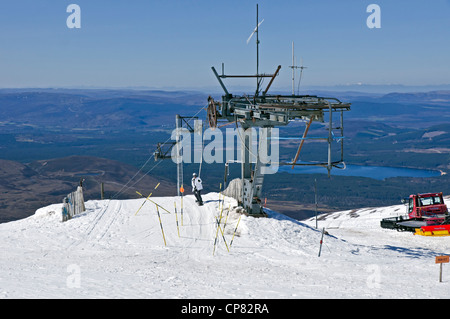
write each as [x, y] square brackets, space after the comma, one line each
[257, 48]
[301, 67]
[293, 67]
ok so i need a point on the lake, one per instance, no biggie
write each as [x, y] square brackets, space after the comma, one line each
[375, 172]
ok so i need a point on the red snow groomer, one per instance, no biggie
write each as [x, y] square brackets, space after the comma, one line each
[427, 215]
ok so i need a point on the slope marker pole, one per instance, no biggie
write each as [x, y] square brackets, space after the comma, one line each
[218, 224]
[160, 223]
[218, 220]
[153, 202]
[176, 218]
[321, 241]
[223, 237]
[221, 231]
[146, 198]
[182, 193]
[215, 240]
[159, 206]
[234, 233]
[220, 190]
[226, 219]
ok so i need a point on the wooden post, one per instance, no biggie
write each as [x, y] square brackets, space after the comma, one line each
[441, 260]
[102, 191]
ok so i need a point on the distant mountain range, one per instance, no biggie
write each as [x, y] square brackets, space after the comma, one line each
[97, 109]
[113, 127]
[110, 109]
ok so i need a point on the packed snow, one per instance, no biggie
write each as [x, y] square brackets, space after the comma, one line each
[109, 251]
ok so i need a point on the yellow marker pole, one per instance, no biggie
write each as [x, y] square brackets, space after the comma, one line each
[223, 236]
[159, 205]
[226, 219]
[182, 193]
[217, 229]
[215, 240]
[176, 218]
[146, 198]
[181, 210]
[160, 223]
[231, 243]
[135, 214]
[217, 232]
[152, 202]
[220, 190]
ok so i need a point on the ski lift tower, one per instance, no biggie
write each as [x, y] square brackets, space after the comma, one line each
[268, 111]
[165, 150]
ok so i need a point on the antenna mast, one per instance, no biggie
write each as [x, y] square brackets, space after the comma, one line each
[257, 76]
[257, 51]
[293, 67]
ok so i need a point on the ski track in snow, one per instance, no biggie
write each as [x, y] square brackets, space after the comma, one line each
[108, 252]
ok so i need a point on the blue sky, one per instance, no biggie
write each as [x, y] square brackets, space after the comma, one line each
[172, 44]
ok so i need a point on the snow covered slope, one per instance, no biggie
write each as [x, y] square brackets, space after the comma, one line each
[109, 252]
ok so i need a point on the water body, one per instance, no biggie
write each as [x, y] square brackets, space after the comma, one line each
[375, 172]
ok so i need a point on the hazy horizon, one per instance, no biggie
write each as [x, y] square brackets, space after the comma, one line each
[173, 44]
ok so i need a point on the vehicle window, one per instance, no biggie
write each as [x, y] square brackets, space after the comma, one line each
[411, 205]
[425, 201]
[437, 200]
[434, 200]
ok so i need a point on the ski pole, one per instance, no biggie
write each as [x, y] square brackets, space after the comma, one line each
[160, 223]
[176, 218]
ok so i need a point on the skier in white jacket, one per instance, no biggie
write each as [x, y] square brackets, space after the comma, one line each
[197, 188]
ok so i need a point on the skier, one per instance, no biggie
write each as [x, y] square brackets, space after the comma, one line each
[197, 188]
